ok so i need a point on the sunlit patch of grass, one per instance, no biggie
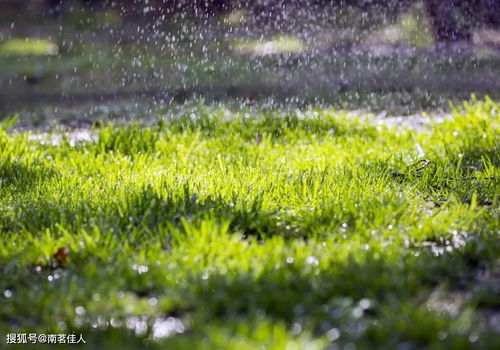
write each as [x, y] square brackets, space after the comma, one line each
[28, 46]
[239, 228]
[279, 44]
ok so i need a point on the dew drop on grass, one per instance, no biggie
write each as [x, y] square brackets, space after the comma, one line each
[311, 260]
[333, 334]
[140, 268]
[80, 310]
[296, 328]
[473, 337]
[163, 328]
[115, 323]
[357, 312]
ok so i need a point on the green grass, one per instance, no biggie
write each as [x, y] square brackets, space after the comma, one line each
[28, 47]
[282, 44]
[250, 228]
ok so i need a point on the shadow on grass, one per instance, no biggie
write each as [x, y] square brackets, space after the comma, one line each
[144, 212]
[23, 176]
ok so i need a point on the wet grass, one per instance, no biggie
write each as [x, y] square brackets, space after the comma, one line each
[219, 228]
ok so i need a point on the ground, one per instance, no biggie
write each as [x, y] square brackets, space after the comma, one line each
[187, 213]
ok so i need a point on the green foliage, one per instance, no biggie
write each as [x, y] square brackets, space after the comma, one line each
[28, 46]
[221, 229]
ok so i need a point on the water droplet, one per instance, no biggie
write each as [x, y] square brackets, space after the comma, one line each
[312, 261]
[296, 328]
[80, 310]
[473, 337]
[140, 268]
[333, 334]
[163, 328]
[365, 303]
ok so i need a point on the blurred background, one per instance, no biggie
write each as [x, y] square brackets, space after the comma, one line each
[71, 62]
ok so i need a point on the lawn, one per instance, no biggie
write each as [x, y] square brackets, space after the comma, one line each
[215, 227]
